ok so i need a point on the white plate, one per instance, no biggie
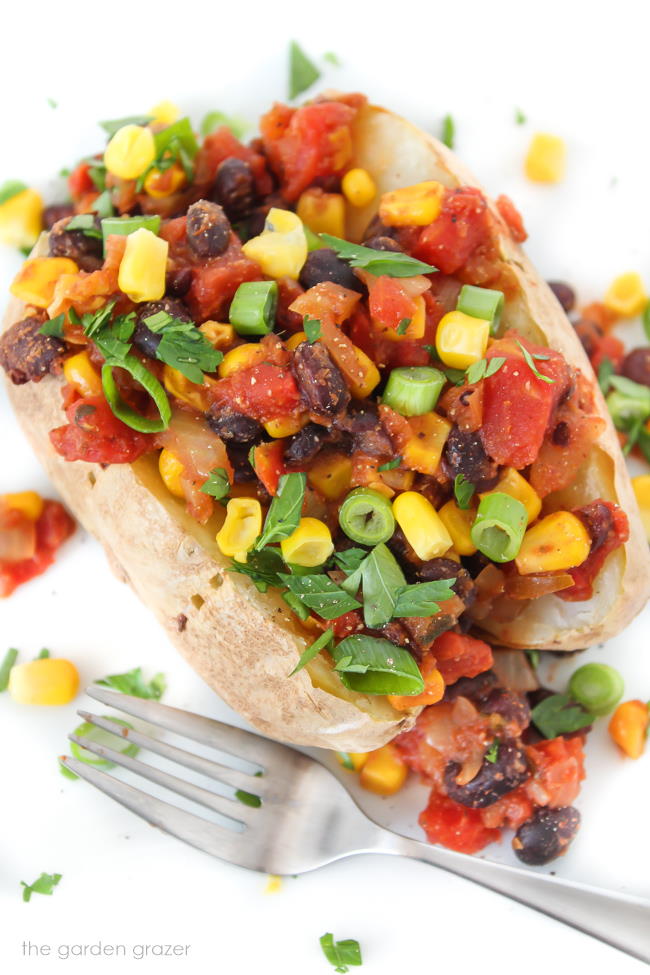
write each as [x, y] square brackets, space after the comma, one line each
[124, 883]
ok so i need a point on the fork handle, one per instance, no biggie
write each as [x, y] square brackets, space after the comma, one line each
[620, 920]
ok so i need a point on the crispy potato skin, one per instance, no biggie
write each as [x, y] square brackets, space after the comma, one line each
[243, 643]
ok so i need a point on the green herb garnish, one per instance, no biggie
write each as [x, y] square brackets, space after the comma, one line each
[217, 484]
[332, 59]
[103, 206]
[132, 682]
[150, 384]
[520, 118]
[11, 188]
[448, 131]
[183, 347]
[262, 568]
[389, 263]
[111, 126]
[559, 715]
[483, 369]
[85, 222]
[319, 593]
[283, 515]
[341, 953]
[605, 372]
[645, 320]
[302, 72]
[44, 885]
[529, 360]
[53, 327]
[313, 650]
[403, 326]
[8, 661]
[214, 120]
[42, 654]
[350, 559]
[371, 665]
[492, 753]
[390, 464]
[463, 491]
[382, 579]
[422, 598]
[312, 328]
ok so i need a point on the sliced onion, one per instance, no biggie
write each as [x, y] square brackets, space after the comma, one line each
[534, 586]
[199, 450]
[514, 671]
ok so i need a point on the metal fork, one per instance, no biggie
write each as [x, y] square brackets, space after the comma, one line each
[308, 819]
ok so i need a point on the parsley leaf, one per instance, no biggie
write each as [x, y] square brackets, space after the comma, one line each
[382, 578]
[520, 118]
[332, 59]
[262, 568]
[132, 682]
[492, 753]
[313, 650]
[302, 72]
[214, 120]
[53, 327]
[103, 206]
[319, 593]
[217, 484]
[283, 515]
[455, 376]
[392, 264]
[422, 598]
[44, 885]
[390, 464]
[403, 326]
[483, 369]
[350, 559]
[463, 491]
[448, 131]
[111, 126]
[372, 665]
[605, 372]
[183, 347]
[341, 953]
[528, 358]
[112, 338]
[312, 328]
[85, 222]
[558, 715]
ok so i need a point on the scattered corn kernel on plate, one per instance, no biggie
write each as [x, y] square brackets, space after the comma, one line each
[384, 488]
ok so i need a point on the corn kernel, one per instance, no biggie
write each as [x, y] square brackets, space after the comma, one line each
[360, 388]
[421, 523]
[294, 341]
[35, 282]
[384, 771]
[220, 335]
[240, 529]
[285, 426]
[412, 206]
[323, 213]
[641, 487]
[628, 727]
[357, 759]
[21, 219]
[185, 390]
[130, 152]
[458, 522]
[165, 113]
[512, 483]
[626, 295]
[309, 545]
[461, 339]
[559, 541]
[47, 681]
[80, 373]
[358, 187]
[331, 475]
[546, 158]
[143, 267]
[171, 470]
[159, 183]
[30, 503]
[281, 248]
[241, 357]
[423, 451]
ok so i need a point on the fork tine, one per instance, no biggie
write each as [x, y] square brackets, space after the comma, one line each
[233, 741]
[220, 773]
[198, 832]
[221, 804]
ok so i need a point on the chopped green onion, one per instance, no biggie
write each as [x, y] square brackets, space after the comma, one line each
[12, 188]
[302, 72]
[8, 661]
[597, 687]
[252, 311]
[106, 739]
[520, 118]
[123, 226]
[448, 131]
[43, 654]
[366, 516]
[413, 390]
[605, 372]
[85, 222]
[346, 760]
[103, 205]
[314, 243]
[248, 799]
[481, 303]
[629, 403]
[499, 526]
[149, 382]
[181, 130]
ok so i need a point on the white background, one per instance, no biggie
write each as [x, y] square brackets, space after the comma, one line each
[578, 70]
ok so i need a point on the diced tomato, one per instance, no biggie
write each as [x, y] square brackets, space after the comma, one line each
[517, 406]
[584, 575]
[53, 527]
[510, 810]
[559, 770]
[512, 218]
[263, 392]
[454, 826]
[268, 461]
[458, 655]
[309, 145]
[327, 300]
[461, 227]
[389, 302]
[346, 624]
[88, 292]
[79, 181]
[93, 433]
[608, 347]
[221, 145]
[286, 319]
[214, 283]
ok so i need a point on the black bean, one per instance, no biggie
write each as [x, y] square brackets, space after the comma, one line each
[234, 188]
[383, 243]
[636, 365]
[564, 294]
[78, 246]
[435, 569]
[513, 708]
[324, 265]
[493, 779]
[234, 427]
[26, 355]
[561, 435]
[599, 522]
[56, 212]
[178, 283]
[305, 444]
[146, 340]
[464, 454]
[320, 381]
[547, 835]
[208, 229]
[589, 333]
[475, 688]
[377, 229]
[242, 468]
